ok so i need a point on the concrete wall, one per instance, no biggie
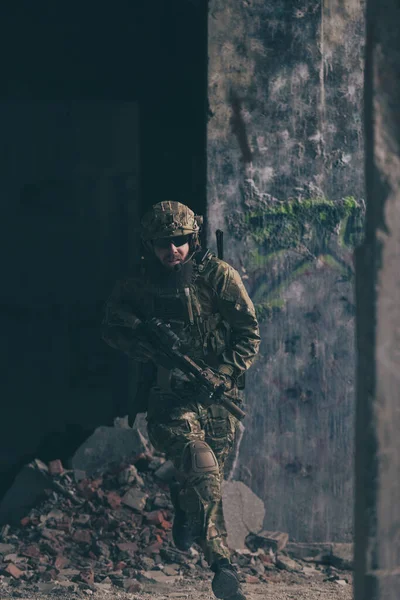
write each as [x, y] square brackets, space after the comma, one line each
[285, 182]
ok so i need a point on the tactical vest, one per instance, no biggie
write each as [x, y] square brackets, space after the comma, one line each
[186, 301]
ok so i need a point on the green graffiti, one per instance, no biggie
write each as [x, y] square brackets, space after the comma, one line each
[311, 222]
[315, 229]
[266, 310]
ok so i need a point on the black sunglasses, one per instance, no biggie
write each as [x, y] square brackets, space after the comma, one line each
[177, 241]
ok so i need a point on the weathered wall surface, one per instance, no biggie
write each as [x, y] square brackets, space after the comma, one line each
[285, 175]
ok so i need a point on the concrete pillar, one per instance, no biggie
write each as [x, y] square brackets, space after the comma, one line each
[377, 514]
[285, 183]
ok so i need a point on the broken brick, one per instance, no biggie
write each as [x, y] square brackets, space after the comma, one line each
[82, 536]
[267, 540]
[156, 517]
[88, 487]
[82, 519]
[64, 525]
[87, 576]
[266, 559]
[31, 551]
[128, 547]
[113, 500]
[252, 579]
[55, 467]
[13, 570]
[153, 548]
[61, 562]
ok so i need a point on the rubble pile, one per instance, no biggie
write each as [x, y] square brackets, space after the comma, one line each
[114, 529]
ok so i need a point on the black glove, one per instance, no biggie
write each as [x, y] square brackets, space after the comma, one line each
[218, 380]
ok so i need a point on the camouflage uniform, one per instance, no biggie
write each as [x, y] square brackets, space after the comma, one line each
[207, 306]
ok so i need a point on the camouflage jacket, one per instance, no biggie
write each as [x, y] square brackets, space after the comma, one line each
[205, 303]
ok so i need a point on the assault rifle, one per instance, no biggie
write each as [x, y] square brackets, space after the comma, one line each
[166, 345]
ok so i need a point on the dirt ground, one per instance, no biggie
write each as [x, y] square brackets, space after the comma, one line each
[282, 586]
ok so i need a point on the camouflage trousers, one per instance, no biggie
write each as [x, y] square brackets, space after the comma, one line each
[173, 421]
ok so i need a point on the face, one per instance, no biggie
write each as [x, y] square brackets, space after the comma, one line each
[172, 251]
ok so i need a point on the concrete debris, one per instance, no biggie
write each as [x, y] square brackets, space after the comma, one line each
[135, 499]
[28, 488]
[128, 475]
[166, 472]
[273, 541]
[313, 552]
[110, 531]
[244, 512]
[6, 548]
[107, 446]
[342, 556]
[13, 570]
[288, 564]
[337, 555]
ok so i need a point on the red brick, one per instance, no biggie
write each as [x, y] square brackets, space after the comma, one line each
[113, 500]
[55, 467]
[25, 521]
[252, 579]
[13, 570]
[119, 566]
[266, 559]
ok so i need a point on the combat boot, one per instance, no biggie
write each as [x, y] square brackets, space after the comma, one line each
[182, 530]
[226, 584]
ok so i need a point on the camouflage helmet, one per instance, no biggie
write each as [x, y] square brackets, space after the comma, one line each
[169, 219]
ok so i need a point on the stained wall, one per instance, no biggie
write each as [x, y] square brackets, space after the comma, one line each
[285, 183]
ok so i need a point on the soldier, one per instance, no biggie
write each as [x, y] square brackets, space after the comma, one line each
[204, 301]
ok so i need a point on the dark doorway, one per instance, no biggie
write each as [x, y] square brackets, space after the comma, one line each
[103, 113]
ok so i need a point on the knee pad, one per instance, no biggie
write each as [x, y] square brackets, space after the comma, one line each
[198, 458]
